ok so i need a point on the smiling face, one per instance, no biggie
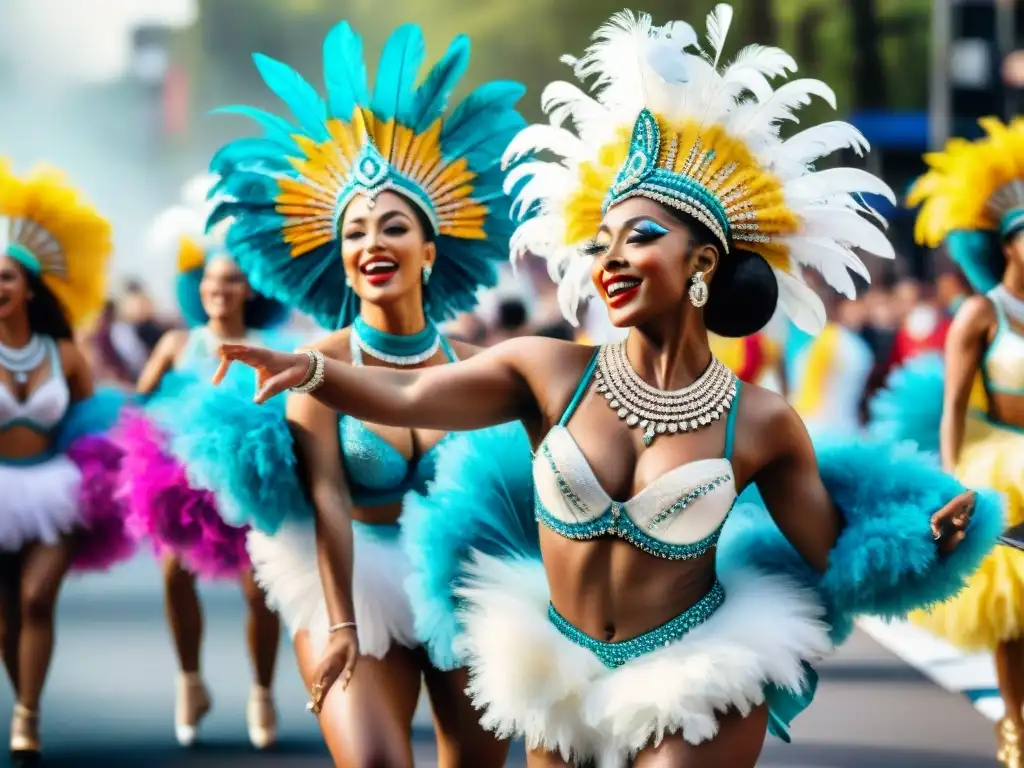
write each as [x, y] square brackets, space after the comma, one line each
[644, 258]
[384, 249]
[14, 288]
[224, 289]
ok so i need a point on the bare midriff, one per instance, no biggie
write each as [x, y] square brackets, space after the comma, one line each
[612, 591]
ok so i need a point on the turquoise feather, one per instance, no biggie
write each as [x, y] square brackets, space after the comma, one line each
[278, 129]
[979, 256]
[394, 95]
[345, 72]
[432, 96]
[909, 407]
[300, 97]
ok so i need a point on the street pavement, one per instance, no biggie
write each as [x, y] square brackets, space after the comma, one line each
[109, 701]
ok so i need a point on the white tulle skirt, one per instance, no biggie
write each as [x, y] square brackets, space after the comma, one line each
[285, 565]
[533, 682]
[38, 502]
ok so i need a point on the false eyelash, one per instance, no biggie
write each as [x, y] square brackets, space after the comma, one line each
[593, 249]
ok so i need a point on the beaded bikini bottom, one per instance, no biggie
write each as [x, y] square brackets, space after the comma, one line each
[614, 655]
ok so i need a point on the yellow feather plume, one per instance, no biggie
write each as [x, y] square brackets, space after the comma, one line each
[71, 240]
[963, 184]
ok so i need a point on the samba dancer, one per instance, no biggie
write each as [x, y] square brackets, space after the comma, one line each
[973, 413]
[57, 474]
[170, 464]
[379, 215]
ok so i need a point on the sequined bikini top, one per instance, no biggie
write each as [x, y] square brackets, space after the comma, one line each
[678, 517]
[43, 409]
[377, 472]
[1003, 363]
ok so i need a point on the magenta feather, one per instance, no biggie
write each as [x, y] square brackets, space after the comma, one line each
[167, 512]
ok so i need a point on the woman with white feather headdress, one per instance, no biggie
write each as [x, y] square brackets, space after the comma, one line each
[634, 625]
[192, 476]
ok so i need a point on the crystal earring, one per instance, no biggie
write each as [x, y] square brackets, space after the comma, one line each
[427, 269]
[348, 280]
[698, 290]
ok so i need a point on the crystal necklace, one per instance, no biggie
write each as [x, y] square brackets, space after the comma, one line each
[657, 411]
[393, 348]
[21, 361]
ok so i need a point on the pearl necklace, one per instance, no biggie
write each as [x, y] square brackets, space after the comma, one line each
[21, 361]
[657, 411]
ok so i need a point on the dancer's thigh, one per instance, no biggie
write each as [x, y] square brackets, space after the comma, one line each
[369, 724]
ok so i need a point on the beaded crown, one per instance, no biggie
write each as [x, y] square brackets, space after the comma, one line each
[55, 232]
[287, 191]
[667, 123]
[972, 197]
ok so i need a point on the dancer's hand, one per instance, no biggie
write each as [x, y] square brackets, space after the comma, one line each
[337, 664]
[949, 524]
[276, 372]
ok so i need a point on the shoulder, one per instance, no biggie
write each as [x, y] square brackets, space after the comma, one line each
[977, 311]
[333, 345]
[71, 356]
[172, 343]
[771, 428]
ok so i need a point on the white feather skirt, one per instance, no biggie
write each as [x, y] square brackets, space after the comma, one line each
[285, 566]
[533, 682]
[38, 502]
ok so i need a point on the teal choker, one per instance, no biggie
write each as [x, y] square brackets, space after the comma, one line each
[394, 349]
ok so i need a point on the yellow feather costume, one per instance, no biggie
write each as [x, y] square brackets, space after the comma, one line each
[977, 188]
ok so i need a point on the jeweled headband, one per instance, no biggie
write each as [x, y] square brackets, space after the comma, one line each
[287, 190]
[665, 122]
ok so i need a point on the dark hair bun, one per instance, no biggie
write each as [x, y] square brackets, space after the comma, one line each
[742, 295]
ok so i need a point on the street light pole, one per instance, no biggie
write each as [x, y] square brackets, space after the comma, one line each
[939, 101]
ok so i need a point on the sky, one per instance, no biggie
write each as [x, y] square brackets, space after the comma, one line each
[83, 40]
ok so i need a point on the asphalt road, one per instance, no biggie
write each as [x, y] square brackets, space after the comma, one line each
[110, 698]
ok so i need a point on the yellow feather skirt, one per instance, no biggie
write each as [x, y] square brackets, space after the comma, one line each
[990, 609]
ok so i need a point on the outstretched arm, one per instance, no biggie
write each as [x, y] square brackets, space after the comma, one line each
[498, 385]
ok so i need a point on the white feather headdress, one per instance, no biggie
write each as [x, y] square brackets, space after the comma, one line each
[666, 122]
[179, 232]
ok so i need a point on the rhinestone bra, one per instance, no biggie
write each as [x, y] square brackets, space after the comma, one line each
[678, 517]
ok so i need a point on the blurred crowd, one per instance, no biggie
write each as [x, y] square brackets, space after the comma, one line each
[896, 319]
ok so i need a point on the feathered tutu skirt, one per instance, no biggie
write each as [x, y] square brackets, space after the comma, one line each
[480, 599]
[202, 465]
[285, 566]
[990, 609]
[71, 491]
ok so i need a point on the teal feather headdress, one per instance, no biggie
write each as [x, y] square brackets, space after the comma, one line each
[287, 190]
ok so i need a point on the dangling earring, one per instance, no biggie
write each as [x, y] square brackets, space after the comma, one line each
[698, 290]
[427, 269]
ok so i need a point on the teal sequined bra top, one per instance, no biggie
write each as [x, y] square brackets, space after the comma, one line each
[678, 517]
[377, 472]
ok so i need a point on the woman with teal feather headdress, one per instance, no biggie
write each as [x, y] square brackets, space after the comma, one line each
[192, 446]
[379, 214]
[637, 615]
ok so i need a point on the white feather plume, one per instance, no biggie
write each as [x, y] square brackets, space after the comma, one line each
[631, 65]
[186, 220]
